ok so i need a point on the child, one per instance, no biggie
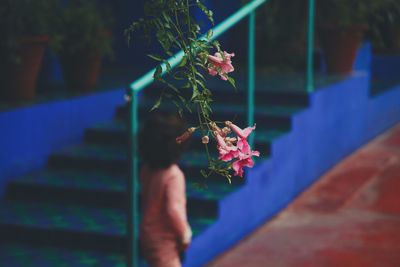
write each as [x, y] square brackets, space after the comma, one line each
[164, 230]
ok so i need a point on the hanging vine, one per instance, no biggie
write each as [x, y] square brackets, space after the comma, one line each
[171, 24]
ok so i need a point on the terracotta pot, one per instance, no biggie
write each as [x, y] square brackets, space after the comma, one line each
[81, 71]
[19, 79]
[340, 46]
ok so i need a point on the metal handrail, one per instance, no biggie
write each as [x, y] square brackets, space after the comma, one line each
[147, 79]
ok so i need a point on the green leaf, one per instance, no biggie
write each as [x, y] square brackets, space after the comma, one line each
[206, 11]
[204, 173]
[217, 45]
[156, 57]
[183, 62]
[201, 76]
[187, 86]
[158, 73]
[195, 94]
[157, 104]
[185, 103]
[232, 82]
[201, 83]
[168, 66]
[210, 34]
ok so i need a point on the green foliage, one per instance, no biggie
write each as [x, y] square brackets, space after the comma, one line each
[19, 18]
[281, 34]
[385, 25]
[345, 13]
[171, 24]
[81, 28]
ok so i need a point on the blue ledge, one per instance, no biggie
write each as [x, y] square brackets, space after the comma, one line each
[31, 133]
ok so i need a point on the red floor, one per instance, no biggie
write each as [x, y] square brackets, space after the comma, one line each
[350, 217]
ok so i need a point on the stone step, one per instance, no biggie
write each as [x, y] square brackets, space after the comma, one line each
[70, 226]
[105, 190]
[21, 254]
[223, 93]
[115, 133]
[267, 118]
[114, 159]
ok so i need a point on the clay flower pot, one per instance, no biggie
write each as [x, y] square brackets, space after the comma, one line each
[19, 79]
[81, 71]
[340, 46]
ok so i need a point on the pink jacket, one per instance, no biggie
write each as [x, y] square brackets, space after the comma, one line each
[164, 224]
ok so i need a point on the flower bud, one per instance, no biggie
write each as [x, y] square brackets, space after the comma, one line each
[231, 139]
[185, 136]
[228, 123]
[205, 139]
[215, 127]
[226, 131]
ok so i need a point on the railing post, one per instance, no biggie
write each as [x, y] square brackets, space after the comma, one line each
[133, 187]
[310, 46]
[251, 71]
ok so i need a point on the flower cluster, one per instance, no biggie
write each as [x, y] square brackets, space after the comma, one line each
[171, 23]
[230, 149]
[235, 148]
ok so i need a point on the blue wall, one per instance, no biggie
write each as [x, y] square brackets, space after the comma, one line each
[341, 118]
[386, 67]
[28, 135]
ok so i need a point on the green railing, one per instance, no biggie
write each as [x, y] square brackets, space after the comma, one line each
[147, 79]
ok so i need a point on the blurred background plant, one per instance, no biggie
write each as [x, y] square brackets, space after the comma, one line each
[82, 38]
[385, 27]
[82, 26]
[342, 25]
[24, 30]
[281, 35]
[345, 13]
[23, 18]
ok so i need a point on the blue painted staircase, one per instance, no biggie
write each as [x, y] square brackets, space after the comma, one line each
[73, 213]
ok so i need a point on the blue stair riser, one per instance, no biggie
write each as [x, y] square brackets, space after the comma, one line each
[63, 238]
[197, 207]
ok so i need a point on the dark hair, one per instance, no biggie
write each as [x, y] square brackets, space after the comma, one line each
[157, 145]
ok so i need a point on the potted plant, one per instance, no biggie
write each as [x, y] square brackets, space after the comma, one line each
[81, 41]
[24, 28]
[341, 27]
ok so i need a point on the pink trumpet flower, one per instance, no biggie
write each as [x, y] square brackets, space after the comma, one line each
[221, 65]
[238, 165]
[244, 157]
[242, 133]
[226, 152]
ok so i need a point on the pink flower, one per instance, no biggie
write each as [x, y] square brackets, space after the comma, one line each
[245, 149]
[238, 165]
[244, 157]
[238, 131]
[240, 152]
[221, 65]
[226, 152]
